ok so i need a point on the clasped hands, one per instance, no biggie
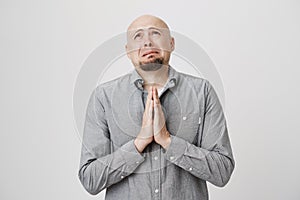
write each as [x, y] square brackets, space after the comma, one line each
[153, 125]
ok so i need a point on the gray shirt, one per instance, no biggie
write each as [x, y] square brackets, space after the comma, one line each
[200, 149]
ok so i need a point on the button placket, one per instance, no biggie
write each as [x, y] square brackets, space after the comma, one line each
[156, 170]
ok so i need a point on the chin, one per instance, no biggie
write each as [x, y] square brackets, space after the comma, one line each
[152, 65]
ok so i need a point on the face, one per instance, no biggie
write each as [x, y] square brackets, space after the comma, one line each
[149, 44]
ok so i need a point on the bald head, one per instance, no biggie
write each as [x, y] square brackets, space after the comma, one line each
[149, 41]
[147, 20]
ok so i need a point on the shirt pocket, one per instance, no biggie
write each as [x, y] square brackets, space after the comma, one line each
[188, 127]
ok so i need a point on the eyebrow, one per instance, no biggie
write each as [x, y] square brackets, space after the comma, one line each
[150, 28]
[138, 31]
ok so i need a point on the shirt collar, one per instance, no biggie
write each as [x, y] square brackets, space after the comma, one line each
[137, 80]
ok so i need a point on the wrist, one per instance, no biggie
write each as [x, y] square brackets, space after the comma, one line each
[166, 143]
[140, 144]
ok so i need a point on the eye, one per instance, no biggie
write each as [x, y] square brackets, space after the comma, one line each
[137, 36]
[155, 33]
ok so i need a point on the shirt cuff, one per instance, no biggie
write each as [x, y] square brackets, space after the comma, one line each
[132, 157]
[176, 149]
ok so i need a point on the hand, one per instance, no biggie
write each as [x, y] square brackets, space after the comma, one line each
[145, 136]
[161, 134]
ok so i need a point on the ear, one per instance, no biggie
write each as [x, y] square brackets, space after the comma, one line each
[127, 51]
[172, 43]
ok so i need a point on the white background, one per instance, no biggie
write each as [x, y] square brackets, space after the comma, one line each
[43, 44]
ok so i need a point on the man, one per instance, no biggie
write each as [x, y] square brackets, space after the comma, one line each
[154, 133]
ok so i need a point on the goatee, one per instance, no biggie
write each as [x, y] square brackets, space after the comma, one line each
[153, 66]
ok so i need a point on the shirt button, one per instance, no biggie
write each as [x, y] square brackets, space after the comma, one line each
[184, 118]
[171, 157]
[190, 168]
[122, 177]
[156, 190]
[155, 157]
[137, 162]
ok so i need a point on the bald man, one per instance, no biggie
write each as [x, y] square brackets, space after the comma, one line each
[154, 133]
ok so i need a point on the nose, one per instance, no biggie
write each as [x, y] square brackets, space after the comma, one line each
[147, 41]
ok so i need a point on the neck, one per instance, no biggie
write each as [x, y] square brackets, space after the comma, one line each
[156, 78]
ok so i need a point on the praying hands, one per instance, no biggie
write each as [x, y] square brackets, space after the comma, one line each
[153, 124]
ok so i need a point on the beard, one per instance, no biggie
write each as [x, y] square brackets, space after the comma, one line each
[152, 66]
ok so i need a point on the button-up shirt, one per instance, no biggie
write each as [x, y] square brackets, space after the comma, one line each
[199, 151]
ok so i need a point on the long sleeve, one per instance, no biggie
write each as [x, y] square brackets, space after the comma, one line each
[211, 159]
[99, 166]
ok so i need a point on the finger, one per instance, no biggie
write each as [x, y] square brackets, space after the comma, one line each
[155, 97]
[150, 111]
[148, 115]
[159, 120]
[149, 98]
[158, 112]
[156, 93]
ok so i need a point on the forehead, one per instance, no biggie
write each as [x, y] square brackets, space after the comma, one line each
[148, 28]
[146, 23]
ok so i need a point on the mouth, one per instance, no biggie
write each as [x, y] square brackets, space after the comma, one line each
[149, 53]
